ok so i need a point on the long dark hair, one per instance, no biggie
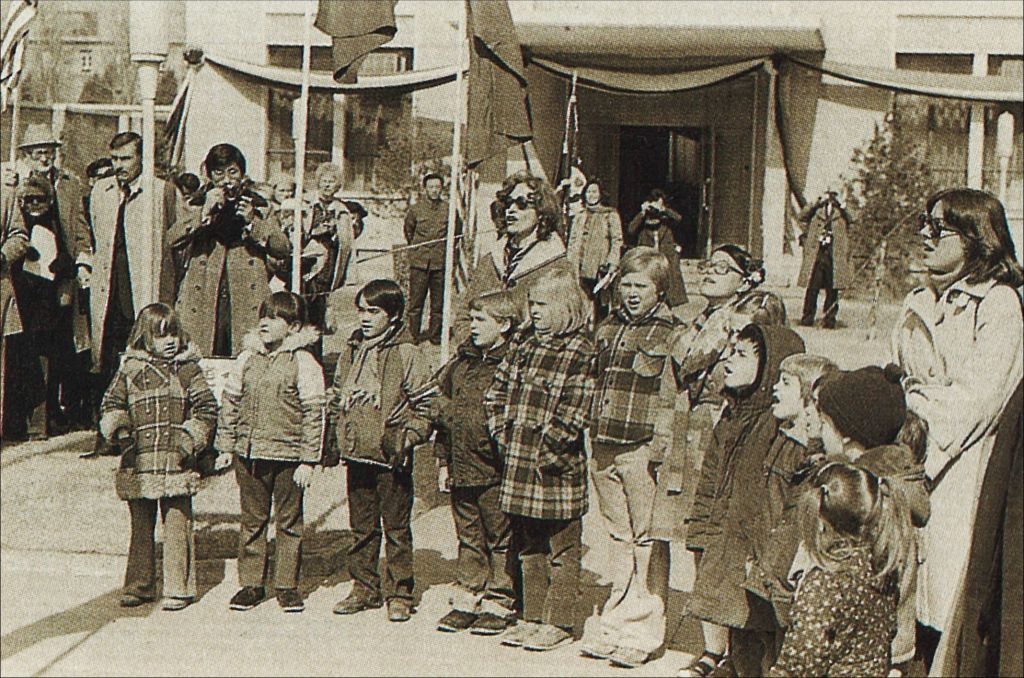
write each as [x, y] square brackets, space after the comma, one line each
[980, 219]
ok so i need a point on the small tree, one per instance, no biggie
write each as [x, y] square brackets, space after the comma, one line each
[890, 183]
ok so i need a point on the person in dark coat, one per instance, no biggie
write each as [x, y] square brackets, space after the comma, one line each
[655, 226]
[826, 262]
[13, 246]
[427, 221]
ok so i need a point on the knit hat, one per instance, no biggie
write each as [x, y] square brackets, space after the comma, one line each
[866, 405]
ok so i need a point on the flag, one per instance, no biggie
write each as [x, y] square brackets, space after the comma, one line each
[12, 48]
[174, 129]
[498, 110]
[357, 27]
[569, 172]
[466, 216]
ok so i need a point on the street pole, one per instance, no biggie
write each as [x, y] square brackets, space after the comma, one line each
[301, 126]
[453, 189]
[148, 40]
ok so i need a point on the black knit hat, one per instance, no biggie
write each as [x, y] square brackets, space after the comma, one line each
[866, 405]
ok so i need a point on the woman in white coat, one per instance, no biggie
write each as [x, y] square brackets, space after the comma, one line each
[959, 342]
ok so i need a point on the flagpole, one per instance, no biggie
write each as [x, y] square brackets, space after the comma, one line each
[453, 192]
[300, 149]
[15, 121]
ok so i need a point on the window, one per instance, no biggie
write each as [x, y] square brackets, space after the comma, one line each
[85, 61]
[1011, 65]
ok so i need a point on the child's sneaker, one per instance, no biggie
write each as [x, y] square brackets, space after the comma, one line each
[629, 657]
[518, 634]
[547, 637]
[247, 598]
[132, 600]
[488, 624]
[175, 604]
[399, 610]
[457, 620]
[290, 600]
[598, 649]
[356, 602]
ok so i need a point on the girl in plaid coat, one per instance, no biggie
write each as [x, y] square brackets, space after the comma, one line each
[537, 409]
[162, 413]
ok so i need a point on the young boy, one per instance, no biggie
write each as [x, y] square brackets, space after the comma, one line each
[630, 433]
[470, 468]
[375, 429]
[272, 419]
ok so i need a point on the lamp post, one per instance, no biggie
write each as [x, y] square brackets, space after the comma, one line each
[147, 37]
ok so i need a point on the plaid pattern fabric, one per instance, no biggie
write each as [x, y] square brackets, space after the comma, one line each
[537, 408]
[631, 361]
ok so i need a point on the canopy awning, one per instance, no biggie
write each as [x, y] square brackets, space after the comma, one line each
[987, 88]
[288, 77]
[629, 82]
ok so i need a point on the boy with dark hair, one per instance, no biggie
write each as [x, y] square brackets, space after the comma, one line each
[373, 425]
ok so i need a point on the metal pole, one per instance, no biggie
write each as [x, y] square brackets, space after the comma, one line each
[147, 86]
[453, 192]
[300, 149]
[15, 121]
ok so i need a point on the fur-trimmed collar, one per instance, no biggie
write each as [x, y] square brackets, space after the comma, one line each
[188, 354]
[305, 337]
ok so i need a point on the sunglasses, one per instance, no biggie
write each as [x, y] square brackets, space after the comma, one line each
[935, 228]
[719, 267]
[34, 199]
[521, 202]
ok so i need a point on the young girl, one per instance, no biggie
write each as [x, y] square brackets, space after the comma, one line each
[272, 419]
[161, 412]
[537, 408]
[858, 534]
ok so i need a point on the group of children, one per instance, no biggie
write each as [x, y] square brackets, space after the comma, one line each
[798, 500]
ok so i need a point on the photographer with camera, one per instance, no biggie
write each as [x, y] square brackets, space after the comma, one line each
[826, 261]
[655, 226]
[226, 244]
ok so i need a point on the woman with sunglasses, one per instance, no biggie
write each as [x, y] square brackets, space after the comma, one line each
[529, 247]
[959, 342]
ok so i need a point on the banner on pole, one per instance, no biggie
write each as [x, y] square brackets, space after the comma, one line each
[12, 47]
[356, 27]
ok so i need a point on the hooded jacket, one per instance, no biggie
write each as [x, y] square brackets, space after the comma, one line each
[273, 401]
[170, 413]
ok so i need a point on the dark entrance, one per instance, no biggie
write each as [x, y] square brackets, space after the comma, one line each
[680, 161]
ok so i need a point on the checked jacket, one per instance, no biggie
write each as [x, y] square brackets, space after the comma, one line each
[537, 408]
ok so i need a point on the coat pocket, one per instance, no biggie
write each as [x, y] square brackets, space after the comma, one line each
[649, 363]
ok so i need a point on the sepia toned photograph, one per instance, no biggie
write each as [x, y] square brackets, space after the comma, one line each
[512, 338]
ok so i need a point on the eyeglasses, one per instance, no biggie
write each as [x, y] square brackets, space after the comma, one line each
[34, 199]
[522, 202]
[41, 153]
[230, 173]
[719, 267]
[934, 228]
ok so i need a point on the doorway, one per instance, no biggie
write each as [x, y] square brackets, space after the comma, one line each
[679, 161]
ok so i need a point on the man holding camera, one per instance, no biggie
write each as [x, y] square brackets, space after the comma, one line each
[227, 244]
[655, 226]
[826, 260]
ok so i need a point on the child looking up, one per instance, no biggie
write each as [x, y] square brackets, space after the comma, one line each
[375, 429]
[858, 534]
[272, 419]
[161, 412]
[537, 409]
[469, 467]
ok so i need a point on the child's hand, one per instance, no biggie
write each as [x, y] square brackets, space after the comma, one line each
[359, 396]
[223, 461]
[303, 474]
[444, 481]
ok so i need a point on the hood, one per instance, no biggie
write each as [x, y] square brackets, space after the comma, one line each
[305, 337]
[778, 343]
[188, 353]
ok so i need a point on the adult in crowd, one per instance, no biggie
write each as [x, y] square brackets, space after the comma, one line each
[529, 247]
[427, 221]
[284, 189]
[229, 241]
[13, 246]
[595, 243]
[958, 340]
[114, 264]
[100, 168]
[826, 261]
[655, 226]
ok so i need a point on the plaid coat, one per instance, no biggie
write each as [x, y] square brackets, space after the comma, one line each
[170, 413]
[537, 409]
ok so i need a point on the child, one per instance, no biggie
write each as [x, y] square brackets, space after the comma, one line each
[858, 534]
[537, 409]
[863, 413]
[743, 438]
[630, 433]
[375, 430]
[470, 468]
[775, 538]
[272, 419]
[161, 412]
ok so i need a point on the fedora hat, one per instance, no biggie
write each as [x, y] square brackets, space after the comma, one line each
[38, 134]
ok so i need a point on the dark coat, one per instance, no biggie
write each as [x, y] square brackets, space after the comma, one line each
[639, 233]
[425, 221]
[464, 444]
[13, 246]
[842, 269]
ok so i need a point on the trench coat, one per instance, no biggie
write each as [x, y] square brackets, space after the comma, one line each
[13, 246]
[963, 356]
[95, 243]
[248, 269]
[842, 269]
